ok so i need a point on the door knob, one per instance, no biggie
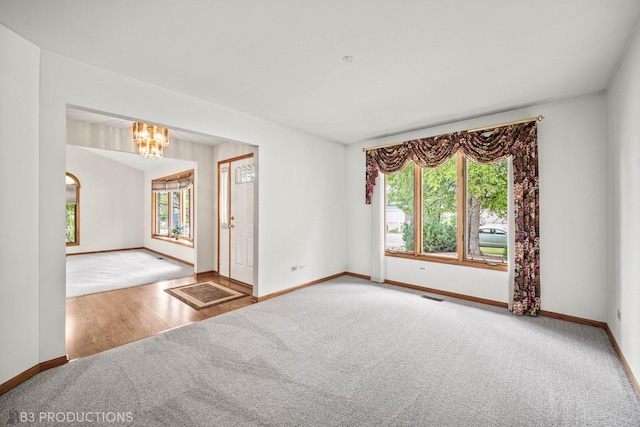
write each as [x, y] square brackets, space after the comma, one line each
[233, 217]
[231, 225]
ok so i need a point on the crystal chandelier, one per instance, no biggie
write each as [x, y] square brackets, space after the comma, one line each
[150, 139]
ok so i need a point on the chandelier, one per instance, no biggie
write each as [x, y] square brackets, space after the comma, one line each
[150, 139]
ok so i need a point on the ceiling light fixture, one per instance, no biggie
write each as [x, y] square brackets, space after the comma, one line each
[150, 139]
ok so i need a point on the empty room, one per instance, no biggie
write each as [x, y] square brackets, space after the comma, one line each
[430, 207]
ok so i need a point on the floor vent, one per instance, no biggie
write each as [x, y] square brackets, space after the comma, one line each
[432, 298]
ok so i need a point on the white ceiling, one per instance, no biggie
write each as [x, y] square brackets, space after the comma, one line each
[417, 63]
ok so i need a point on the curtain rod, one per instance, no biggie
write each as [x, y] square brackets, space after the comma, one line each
[531, 119]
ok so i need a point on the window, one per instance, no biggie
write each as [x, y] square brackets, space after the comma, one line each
[456, 213]
[73, 210]
[172, 202]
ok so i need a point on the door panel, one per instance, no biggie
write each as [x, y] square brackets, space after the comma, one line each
[242, 214]
[236, 222]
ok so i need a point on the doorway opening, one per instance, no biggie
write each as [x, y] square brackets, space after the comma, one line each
[99, 143]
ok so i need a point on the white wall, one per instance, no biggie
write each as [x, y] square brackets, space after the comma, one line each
[181, 252]
[111, 204]
[302, 212]
[19, 250]
[623, 183]
[572, 213]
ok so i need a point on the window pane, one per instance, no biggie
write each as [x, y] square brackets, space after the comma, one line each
[72, 199]
[486, 226]
[439, 210]
[187, 212]
[162, 219]
[71, 223]
[399, 210]
[175, 211]
[224, 199]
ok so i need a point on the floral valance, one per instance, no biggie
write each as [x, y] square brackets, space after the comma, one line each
[485, 146]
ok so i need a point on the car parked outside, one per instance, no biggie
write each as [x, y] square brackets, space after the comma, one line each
[493, 237]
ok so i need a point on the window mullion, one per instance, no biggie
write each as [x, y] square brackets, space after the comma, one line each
[170, 212]
[191, 213]
[461, 202]
[154, 222]
[182, 207]
[417, 210]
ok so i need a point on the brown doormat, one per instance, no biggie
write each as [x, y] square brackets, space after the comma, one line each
[205, 294]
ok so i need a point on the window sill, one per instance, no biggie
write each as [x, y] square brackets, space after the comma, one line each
[488, 265]
[181, 242]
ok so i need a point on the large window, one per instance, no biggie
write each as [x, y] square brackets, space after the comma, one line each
[456, 213]
[172, 201]
[73, 210]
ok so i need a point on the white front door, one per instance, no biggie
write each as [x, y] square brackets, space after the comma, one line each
[223, 218]
[236, 219]
[241, 226]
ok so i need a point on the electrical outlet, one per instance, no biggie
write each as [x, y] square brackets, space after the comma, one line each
[294, 268]
[619, 316]
[422, 268]
[300, 267]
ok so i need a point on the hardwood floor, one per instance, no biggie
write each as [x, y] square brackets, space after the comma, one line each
[105, 320]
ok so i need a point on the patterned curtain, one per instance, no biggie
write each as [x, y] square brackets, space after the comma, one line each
[486, 146]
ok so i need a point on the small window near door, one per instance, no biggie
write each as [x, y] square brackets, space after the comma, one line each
[73, 210]
[172, 202]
